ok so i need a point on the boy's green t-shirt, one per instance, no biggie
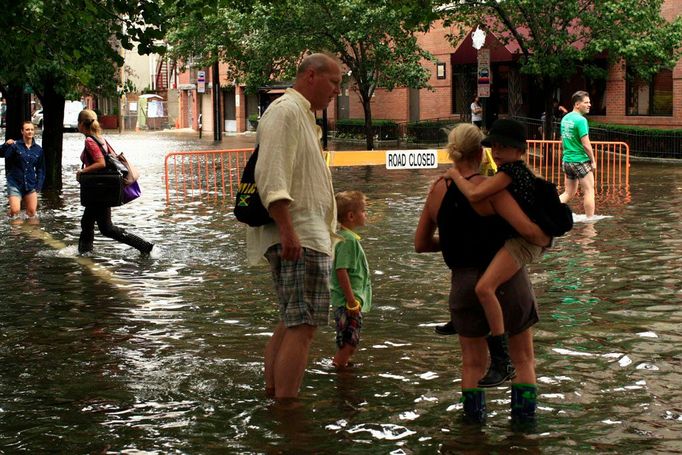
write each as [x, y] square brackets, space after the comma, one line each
[349, 255]
[573, 127]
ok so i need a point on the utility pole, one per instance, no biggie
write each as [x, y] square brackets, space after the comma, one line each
[217, 127]
[122, 94]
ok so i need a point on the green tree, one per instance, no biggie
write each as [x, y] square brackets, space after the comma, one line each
[558, 38]
[65, 47]
[263, 41]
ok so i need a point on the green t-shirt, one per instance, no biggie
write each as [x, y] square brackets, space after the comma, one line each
[573, 128]
[349, 255]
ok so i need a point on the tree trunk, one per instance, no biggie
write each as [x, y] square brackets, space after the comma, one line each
[16, 112]
[548, 125]
[53, 135]
[369, 134]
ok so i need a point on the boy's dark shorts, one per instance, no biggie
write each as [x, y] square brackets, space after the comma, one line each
[347, 327]
[516, 299]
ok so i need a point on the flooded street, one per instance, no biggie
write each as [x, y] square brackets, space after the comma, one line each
[120, 353]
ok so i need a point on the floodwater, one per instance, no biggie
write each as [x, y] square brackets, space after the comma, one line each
[117, 353]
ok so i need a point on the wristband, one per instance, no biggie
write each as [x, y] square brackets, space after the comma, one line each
[355, 308]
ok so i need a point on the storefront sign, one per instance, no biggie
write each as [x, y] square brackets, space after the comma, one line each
[201, 81]
[484, 73]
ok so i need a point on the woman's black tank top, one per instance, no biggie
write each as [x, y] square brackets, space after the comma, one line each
[468, 239]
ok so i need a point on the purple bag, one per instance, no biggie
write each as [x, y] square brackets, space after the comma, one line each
[131, 192]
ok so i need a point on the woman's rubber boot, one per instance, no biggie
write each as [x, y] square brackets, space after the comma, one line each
[501, 368]
[523, 406]
[84, 246]
[137, 242]
[474, 405]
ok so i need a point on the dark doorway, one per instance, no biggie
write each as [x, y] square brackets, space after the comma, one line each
[230, 110]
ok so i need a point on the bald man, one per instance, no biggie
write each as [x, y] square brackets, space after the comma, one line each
[295, 185]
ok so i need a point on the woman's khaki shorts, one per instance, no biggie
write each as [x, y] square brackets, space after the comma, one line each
[516, 298]
[523, 251]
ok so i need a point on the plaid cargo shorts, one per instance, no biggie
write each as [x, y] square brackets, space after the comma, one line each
[302, 286]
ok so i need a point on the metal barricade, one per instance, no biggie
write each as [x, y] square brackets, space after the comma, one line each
[210, 173]
[216, 173]
[613, 162]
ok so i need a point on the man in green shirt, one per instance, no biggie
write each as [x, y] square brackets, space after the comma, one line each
[579, 164]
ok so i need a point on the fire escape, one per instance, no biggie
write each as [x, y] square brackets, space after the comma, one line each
[166, 73]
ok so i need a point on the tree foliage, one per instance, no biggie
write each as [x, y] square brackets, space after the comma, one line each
[559, 38]
[263, 41]
[65, 47]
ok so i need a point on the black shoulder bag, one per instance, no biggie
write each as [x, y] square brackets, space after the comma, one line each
[103, 188]
[248, 207]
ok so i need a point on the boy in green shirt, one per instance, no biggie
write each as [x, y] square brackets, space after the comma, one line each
[351, 289]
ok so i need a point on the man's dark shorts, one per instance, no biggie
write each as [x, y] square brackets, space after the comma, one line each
[516, 299]
[576, 171]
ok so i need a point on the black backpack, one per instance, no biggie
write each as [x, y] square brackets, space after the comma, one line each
[554, 217]
[248, 207]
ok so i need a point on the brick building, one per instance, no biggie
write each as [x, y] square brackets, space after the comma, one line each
[656, 103]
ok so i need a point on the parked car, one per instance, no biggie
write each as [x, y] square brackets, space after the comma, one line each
[37, 118]
[71, 111]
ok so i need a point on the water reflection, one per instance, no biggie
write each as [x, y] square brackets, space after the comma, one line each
[116, 352]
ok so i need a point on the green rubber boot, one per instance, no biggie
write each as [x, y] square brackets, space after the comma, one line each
[474, 405]
[523, 405]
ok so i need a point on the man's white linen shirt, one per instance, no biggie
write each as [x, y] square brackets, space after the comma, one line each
[291, 167]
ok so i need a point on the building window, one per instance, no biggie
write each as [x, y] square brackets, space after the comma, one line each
[440, 70]
[650, 97]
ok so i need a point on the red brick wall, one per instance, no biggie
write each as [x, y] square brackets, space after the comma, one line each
[393, 105]
[671, 9]
[433, 103]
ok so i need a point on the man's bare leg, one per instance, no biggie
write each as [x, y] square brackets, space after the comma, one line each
[291, 360]
[271, 350]
[587, 185]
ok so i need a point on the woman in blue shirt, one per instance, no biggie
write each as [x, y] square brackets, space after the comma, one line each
[25, 171]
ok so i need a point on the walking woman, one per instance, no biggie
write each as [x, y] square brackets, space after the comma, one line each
[468, 237]
[93, 161]
[25, 171]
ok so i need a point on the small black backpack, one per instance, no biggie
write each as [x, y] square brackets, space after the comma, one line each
[552, 216]
[248, 207]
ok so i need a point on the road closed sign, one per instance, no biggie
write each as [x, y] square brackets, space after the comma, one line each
[411, 159]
